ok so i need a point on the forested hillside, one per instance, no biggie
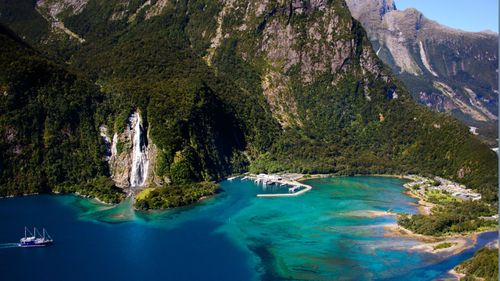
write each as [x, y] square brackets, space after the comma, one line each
[260, 86]
[48, 125]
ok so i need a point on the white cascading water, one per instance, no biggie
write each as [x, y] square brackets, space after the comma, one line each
[140, 162]
[114, 150]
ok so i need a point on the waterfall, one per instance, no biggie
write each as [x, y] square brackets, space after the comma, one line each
[140, 162]
[114, 150]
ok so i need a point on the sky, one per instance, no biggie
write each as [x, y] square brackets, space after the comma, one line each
[468, 15]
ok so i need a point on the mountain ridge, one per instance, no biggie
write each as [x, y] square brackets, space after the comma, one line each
[425, 54]
[290, 86]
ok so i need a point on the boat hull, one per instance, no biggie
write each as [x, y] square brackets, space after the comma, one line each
[30, 245]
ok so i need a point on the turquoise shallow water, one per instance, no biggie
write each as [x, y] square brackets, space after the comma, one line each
[324, 234]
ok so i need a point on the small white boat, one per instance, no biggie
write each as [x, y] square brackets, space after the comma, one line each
[33, 240]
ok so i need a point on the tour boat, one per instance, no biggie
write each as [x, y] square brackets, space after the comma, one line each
[33, 241]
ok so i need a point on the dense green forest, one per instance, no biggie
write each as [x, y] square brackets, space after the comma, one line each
[48, 126]
[174, 196]
[102, 188]
[482, 266]
[451, 218]
[201, 122]
[210, 118]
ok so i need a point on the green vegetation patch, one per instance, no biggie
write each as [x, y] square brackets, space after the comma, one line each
[172, 196]
[440, 197]
[482, 266]
[144, 194]
[444, 245]
[102, 188]
[454, 217]
[47, 123]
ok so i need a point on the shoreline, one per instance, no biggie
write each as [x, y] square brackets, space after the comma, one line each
[88, 197]
[459, 242]
[77, 194]
[428, 244]
[300, 178]
[456, 274]
[298, 181]
[423, 207]
[443, 247]
[23, 195]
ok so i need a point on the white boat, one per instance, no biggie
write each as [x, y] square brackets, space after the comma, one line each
[33, 240]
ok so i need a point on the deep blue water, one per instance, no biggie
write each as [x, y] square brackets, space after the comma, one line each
[321, 235]
[86, 250]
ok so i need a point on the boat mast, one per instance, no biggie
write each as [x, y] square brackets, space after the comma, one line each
[26, 232]
[46, 235]
[37, 232]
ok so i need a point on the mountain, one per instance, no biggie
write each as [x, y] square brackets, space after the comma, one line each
[446, 69]
[197, 90]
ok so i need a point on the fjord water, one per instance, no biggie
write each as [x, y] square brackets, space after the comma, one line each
[325, 234]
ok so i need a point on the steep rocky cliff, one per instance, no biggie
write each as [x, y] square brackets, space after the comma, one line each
[445, 69]
[131, 155]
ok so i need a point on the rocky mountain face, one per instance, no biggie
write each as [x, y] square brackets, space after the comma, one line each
[229, 86]
[445, 69]
[131, 154]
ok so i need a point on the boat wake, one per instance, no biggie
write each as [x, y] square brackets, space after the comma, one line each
[8, 245]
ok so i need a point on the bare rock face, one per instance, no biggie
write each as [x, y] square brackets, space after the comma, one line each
[316, 47]
[277, 93]
[121, 158]
[56, 7]
[157, 8]
[59, 9]
[51, 11]
[313, 38]
[425, 53]
[371, 10]
[390, 27]
[278, 45]
[131, 156]
[152, 178]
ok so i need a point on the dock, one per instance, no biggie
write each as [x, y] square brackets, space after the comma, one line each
[281, 180]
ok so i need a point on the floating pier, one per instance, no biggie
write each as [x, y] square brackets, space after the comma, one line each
[280, 180]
